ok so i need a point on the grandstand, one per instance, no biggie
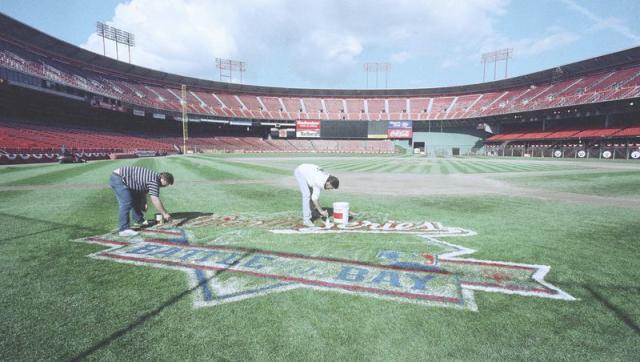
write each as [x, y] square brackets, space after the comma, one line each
[56, 94]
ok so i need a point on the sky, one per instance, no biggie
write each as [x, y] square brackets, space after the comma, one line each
[326, 43]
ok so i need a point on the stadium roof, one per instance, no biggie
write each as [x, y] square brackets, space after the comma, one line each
[25, 36]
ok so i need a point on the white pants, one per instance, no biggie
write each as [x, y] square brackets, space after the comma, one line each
[306, 196]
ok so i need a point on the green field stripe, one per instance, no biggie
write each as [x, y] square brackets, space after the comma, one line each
[480, 167]
[357, 166]
[416, 168]
[58, 176]
[526, 167]
[510, 167]
[402, 168]
[474, 167]
[22, 168]
[373, 167]
[444, 167]
[210, 169]
[350, 164]
[457, 167]
[257, 168]
[386, 167]
[493, 166]
[396, 168]
[487, 166]
[181, 168]
[342, 165]
[533, 168]
[17, 173]
[411, 168]
[427, 166]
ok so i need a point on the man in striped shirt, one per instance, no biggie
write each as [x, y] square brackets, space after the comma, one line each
[131, 184]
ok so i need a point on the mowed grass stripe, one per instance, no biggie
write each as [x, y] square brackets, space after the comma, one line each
[529, 167]
[371, 167]
[444, 167]
[210, 169]
[458, 168]
[22, 168]
[402, 168]
[474, 167]
[510, 167]
[253, 167]
[357, 166]
[182, 170]
[411, 168]
[243, 170]
[348, 166]
[343, 165]
[489, 167]
[59, 176]
[386, 167]
[31, 174]
[395, 168]
[426, 167]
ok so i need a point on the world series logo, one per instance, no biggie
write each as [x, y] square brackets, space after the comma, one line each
[221, 272]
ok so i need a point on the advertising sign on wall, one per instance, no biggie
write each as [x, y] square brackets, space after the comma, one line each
[308, 128]
[400, 129]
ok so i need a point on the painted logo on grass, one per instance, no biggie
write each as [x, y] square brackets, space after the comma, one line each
[220, 272]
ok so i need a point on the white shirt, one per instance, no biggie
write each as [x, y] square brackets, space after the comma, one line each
[315, 178]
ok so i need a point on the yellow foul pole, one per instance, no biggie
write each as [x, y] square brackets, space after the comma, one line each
[185, 120]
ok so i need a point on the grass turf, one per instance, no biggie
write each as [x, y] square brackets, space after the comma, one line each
[59, 304]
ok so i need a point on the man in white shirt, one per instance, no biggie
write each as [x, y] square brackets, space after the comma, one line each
[311, 180]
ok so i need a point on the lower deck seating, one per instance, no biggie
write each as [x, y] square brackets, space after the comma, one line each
[21, 138]
[567, 134]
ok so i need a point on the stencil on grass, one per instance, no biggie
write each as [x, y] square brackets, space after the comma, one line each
[222, 273]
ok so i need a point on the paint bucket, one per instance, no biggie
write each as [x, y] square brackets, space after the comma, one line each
[159, 219]
[341, 212]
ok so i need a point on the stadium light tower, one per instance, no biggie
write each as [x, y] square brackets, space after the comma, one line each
[377, 68]
[227, 66]
[117, 35]
[496, 56]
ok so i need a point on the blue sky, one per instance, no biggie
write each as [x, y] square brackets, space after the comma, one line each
[324, 43]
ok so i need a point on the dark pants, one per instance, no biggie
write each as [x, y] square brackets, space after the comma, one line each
[128, 201]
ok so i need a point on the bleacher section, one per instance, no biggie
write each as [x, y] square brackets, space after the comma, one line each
[604, 86]
[259, 145]
[23, 137]
[37, 139]
[567, 134]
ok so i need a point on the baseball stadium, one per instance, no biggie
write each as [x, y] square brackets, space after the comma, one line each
[487, 221]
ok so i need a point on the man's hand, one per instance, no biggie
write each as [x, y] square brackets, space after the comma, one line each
[324, 213]
[145, 207]
[166, 216]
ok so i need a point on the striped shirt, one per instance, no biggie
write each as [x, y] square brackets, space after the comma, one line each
[141, 179]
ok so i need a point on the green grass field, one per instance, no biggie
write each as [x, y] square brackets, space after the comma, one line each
[62, 301]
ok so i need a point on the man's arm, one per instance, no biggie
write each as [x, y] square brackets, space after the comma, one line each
[315, 197]
[158, 204]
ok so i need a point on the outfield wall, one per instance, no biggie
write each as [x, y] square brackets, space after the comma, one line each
[442, 143]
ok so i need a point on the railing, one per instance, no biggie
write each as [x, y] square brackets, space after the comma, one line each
[620, 152]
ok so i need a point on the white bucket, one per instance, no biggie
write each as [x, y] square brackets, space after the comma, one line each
[341, 212]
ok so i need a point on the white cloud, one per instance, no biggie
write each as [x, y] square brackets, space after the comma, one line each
[313, 43]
